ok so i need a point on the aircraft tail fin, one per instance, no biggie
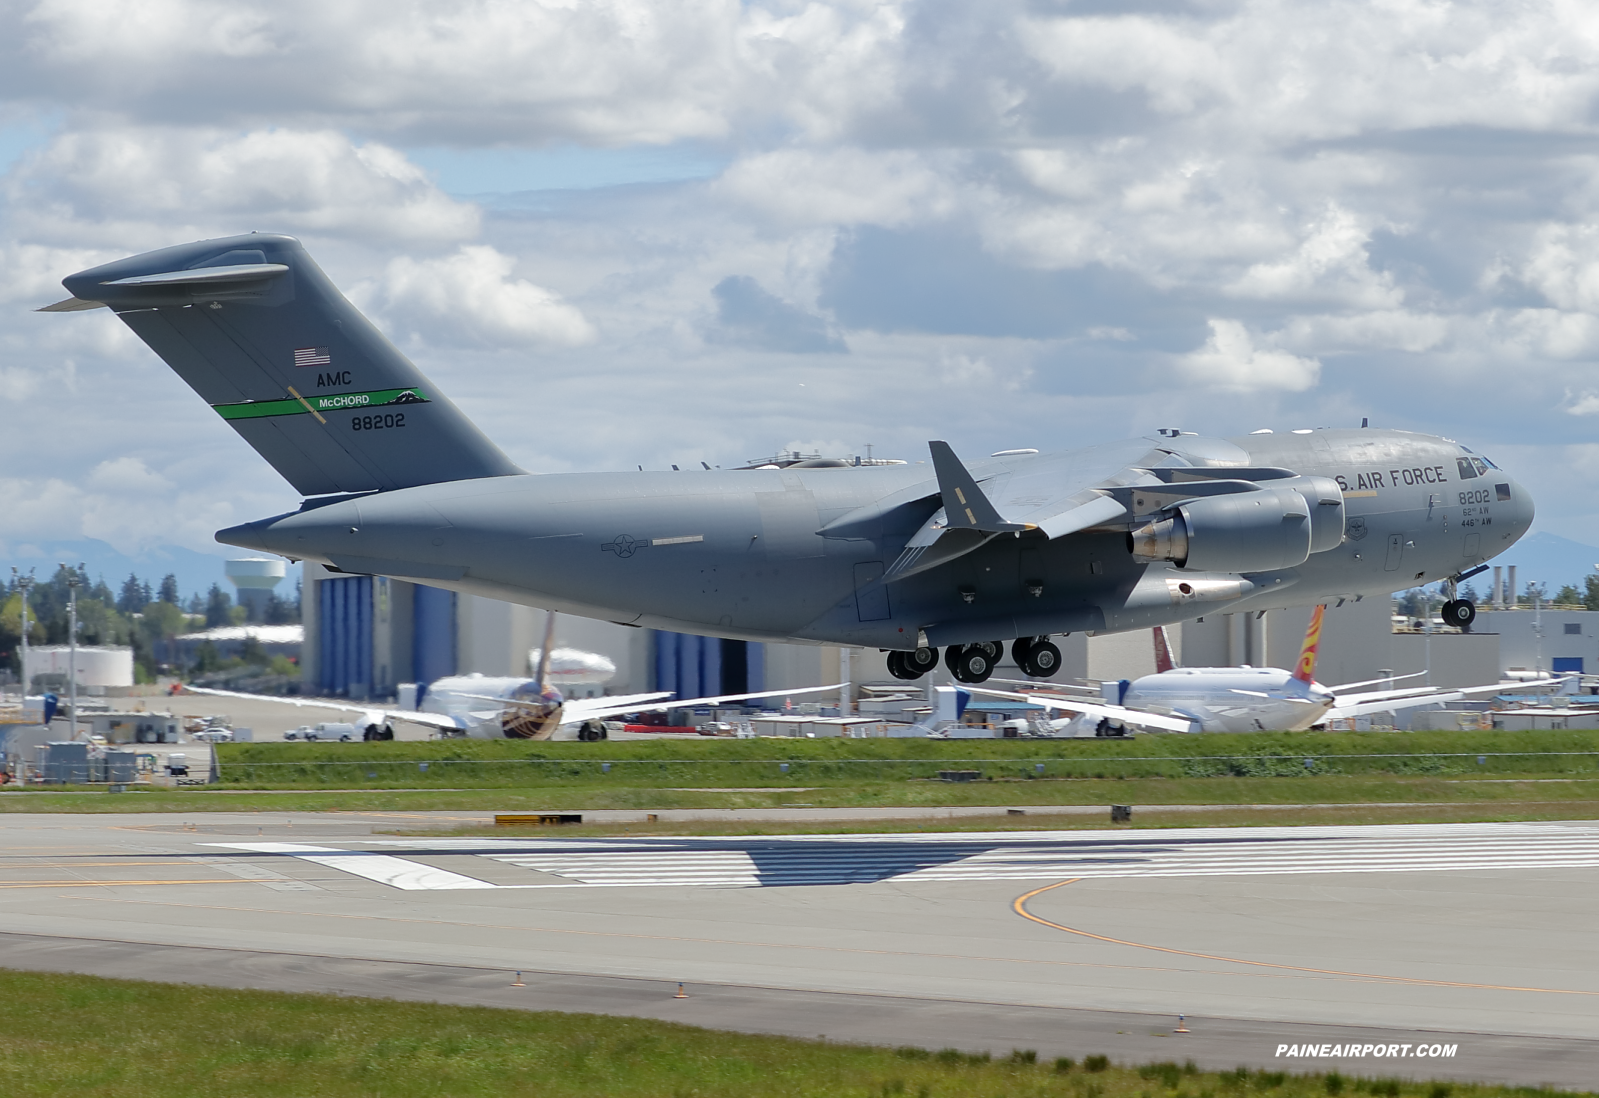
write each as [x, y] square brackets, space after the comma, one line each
[253, 325]
[1305, 669]
[1163, 656]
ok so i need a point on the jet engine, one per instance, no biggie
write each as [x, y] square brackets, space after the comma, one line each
[1258, 531]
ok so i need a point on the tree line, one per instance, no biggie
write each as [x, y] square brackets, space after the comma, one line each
[143, 617]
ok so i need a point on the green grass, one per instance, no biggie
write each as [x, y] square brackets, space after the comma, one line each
[1496, 799]
[72, 1035]
[849, 763]
[1521, 775]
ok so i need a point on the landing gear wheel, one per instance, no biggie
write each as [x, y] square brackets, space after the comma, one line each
[974, 663]
[921, 661]
[1043, 660]
[387, 733]
[897, 668]
[1019, 649]
[591, 731]
[1460, 613]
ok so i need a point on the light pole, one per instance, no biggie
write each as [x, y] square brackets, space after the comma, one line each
[24, 584]
[73, 581]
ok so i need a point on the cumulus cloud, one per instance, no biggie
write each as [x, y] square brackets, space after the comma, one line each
[1230, 360]
[88, 182]
[120, 502]
[470, 297]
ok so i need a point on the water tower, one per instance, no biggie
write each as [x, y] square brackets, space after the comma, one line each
[255, 578]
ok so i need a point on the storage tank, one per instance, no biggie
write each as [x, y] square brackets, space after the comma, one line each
[255, 577]
[111, 665]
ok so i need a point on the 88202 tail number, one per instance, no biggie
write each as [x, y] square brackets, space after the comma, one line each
[378, 421]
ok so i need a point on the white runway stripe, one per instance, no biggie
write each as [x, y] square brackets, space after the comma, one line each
[383, 868]
[838, 859]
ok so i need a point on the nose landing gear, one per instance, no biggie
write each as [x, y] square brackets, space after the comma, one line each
[1457, 611]
[1460, 613]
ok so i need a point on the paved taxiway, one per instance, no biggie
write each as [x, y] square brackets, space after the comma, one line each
[1068, 942]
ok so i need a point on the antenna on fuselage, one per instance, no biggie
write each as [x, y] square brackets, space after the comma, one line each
[544, 653]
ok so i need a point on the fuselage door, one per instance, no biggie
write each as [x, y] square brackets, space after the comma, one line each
[1396, 549]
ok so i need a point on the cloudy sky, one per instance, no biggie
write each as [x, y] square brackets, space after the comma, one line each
[625, 233]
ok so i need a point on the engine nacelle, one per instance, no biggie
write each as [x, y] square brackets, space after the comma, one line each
[1241, 532]
[1326, 502]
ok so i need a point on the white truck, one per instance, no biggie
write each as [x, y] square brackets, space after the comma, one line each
[327, 730]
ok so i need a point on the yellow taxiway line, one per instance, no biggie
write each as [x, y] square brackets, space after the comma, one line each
[1020, 907]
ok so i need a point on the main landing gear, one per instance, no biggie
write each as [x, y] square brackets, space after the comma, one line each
[974, 663]
[1036, 656]
[912, 665]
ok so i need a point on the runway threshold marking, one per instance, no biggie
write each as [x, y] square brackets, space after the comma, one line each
[1019, 905]
[386, 869]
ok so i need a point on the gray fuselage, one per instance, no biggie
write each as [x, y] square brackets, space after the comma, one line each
[749, 553]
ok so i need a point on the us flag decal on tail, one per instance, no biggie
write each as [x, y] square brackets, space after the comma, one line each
[311, 356]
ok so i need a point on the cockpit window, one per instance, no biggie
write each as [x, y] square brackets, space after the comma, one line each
[1482, 466]
[1467, 469]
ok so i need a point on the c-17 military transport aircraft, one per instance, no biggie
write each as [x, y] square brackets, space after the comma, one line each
[915, 558]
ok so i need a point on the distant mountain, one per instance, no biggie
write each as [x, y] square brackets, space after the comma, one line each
[196, 572]
[1544, 558]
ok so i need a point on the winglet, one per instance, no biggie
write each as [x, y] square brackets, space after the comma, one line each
[1163, 657]
[965, 505]
[1305, 669]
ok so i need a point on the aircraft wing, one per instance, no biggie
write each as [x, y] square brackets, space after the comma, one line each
[1384, 701]
[1340, 712]
[592, 709]
[1114, 712]
[369, 713]
[610, 709]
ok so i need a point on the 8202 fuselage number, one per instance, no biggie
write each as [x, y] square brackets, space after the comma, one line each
[1480, 495]
[380, 422]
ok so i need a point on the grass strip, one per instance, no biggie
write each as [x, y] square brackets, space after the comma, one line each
[1529, 798]
[837, 763]
[68, 1035]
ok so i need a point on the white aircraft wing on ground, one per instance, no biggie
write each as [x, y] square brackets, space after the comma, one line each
[1384, 701]
[369, 714]
[1088, 709]
[595, 709]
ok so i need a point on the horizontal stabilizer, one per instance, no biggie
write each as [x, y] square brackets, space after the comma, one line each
[206, 276]
[71, 305]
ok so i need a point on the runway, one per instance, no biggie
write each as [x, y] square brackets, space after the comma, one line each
[1068, 942]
